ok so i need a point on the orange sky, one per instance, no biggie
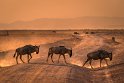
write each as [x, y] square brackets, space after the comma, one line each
[26, 10]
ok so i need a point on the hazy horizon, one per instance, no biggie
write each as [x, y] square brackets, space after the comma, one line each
[67, 23]
[64, 19]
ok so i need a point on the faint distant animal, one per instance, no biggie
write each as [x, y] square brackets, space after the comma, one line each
[61, 50]
[27, 49]
[100, 54]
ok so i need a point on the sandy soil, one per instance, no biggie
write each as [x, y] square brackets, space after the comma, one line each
[39, 71]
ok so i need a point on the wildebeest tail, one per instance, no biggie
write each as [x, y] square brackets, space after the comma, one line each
[15, 54]
[49, 52]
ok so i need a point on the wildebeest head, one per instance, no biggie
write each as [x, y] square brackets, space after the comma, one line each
[70, 52]
[110, 56]
[37, 49]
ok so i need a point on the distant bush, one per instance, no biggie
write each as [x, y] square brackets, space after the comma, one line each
[86, 33]
[92, 32]
[54, 31]
[76, 33]
[113, 39]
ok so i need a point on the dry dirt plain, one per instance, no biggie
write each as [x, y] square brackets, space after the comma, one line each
[39, 71]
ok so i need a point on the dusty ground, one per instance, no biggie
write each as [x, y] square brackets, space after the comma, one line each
[39, 71]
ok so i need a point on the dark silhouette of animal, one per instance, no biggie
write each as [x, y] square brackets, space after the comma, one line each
[27, 49]
[61, 50]
[100, 54]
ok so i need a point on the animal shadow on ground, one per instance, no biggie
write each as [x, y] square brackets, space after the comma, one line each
[108, 67]
[60, 64]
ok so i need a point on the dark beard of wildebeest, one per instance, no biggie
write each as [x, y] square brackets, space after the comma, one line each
[27, 49]
[100, 54]
[61, 50]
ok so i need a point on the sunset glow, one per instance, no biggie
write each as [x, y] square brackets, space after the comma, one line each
[59, 11]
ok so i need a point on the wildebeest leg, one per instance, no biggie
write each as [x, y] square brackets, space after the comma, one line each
[90, 63]
[21, 58]
[52, 58]
[64, 59]
[100, 62]
[86, 61]
[48, 57]
[59, 58]
[29, 58]
[106, 62]
[17, 58]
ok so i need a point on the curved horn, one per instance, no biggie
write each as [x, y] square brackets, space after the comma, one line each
[110, 55]
[37, 45]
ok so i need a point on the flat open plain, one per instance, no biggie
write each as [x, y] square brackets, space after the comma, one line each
[39, 71]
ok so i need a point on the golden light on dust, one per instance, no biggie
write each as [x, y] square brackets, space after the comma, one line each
[76, 62]
[87, 65]
[4, 63]
[108, 75]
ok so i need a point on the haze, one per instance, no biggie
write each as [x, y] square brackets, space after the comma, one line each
[28, 10]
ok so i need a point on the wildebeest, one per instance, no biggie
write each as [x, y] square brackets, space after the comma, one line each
[27, 49]
[100, 54]
[61, 50]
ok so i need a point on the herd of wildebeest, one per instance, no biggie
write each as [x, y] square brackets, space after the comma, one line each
[61, 50]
